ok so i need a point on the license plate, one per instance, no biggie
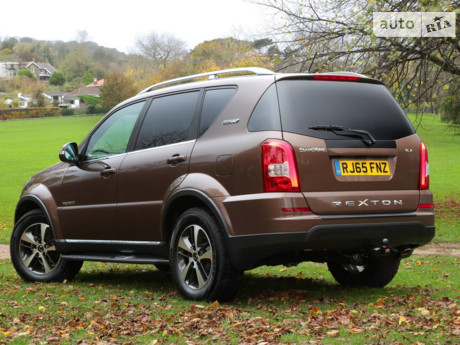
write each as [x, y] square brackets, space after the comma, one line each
[366, 168]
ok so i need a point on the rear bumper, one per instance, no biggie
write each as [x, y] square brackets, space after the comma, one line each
[249, 251]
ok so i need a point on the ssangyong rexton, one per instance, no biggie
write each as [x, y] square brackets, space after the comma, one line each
[213, 177]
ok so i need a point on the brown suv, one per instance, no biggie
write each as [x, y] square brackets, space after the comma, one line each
[213, 177]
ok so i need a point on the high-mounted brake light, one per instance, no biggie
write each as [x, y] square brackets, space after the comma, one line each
[279, 167]
[333, 77]
[424, 167]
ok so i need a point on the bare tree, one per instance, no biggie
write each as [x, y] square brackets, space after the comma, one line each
[160, 48]
[317, 35]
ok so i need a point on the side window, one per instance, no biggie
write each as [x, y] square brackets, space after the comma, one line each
[113, 135]
[215, 100]
[169, 120]
[266, 115]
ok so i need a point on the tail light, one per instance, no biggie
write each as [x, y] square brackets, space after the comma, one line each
[279, 167]
[424, 167]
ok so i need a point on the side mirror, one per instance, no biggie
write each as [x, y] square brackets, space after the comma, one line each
[69, 153]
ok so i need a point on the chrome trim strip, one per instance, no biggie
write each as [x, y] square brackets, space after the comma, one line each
[371, 215]
[162, 146]
[76, 207]
[111, 242]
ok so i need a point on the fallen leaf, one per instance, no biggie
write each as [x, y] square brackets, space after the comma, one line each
[333, 333]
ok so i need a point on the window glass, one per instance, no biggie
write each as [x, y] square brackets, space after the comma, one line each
[169, 120]
[266, 115]
[364, 106]
[113, 135]
[215, 101]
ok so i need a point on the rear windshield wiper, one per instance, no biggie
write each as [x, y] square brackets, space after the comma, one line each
[360, 133]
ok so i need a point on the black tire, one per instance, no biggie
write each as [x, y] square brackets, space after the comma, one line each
[199, 263]
[374, 273]
[33, 251]
[162, 267]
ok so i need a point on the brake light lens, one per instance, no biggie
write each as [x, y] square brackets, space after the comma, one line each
[426, 206]
[333, 77]
[424, 167]
[279, 167]
[296, 210]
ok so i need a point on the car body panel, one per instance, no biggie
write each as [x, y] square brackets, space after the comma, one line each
[144, 178]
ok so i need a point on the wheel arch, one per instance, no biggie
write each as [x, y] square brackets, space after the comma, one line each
[184, 200]
[29, 203]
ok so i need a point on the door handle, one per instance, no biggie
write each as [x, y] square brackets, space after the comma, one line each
[177, 158]
[106, 173]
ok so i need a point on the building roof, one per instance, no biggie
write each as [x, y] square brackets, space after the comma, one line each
[87, 90]
[43, 65]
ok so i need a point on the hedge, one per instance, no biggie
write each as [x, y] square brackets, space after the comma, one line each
[26, 113]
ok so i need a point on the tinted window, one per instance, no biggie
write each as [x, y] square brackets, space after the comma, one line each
[113, 135]
[215, 101]
[363, 106]
[169, 120]
[266, 115]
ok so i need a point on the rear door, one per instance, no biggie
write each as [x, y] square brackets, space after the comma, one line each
[158, 164]
[344, 171]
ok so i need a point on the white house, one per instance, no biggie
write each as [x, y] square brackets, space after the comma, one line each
[24, 100]
[8, 69]
[62, 99]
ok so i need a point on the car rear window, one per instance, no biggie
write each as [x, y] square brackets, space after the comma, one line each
[357, 105]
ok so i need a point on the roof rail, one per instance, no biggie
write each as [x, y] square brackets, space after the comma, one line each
[210, 75]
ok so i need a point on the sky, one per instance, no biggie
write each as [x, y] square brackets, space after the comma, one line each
[117, 24]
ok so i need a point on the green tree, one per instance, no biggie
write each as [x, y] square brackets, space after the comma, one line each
[15, 103]
[8, 44]
[75, 64]
[24, 72]
[87, 78]
[450, 105]
[40, 100]
[117, 87]
[57, 78]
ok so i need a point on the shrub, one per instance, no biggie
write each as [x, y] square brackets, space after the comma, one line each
[89, 100]
[67, 112]
[20, 113]
[450, 108]
[24, 72]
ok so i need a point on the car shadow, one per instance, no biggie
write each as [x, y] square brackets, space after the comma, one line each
[255, 287]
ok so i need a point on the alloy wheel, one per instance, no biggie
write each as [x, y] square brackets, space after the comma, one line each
[194, 257]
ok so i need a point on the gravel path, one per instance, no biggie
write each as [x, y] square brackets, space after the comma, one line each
[441, 249]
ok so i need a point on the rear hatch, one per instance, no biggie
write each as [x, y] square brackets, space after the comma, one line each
[356, 150]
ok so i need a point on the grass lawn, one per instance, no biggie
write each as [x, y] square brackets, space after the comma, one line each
[28, 146]
[443, 154]
[119, 304]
